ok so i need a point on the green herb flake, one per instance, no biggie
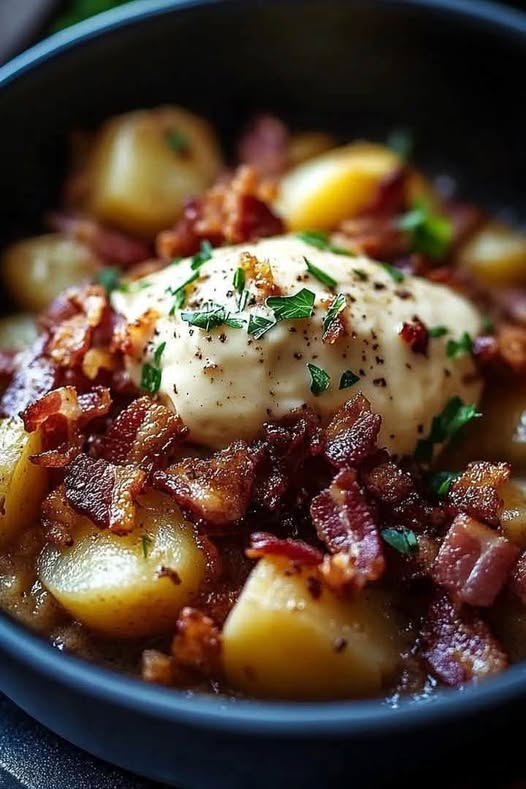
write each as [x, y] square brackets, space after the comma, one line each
[150, 378]
[395, 273]
[134, 287]
[239, 280]
[180, 292]
[337, 305]
[258, 326]
[204, 254]
[360, 274]
[286, 308]
[158, 353]
[212, 316]
[456, 348]
[402, 540]
[109, 278]
[440, 481]
[320, 380]
[438, 331]
[320, 240]
[446, 425]
[430, 233]
[348, 379]
[177, 141]
[401, 142]
[145, 542]
[319, 274]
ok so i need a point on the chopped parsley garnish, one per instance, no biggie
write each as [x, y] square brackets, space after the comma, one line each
[134, 287]
[455, 415]
[458, 347]
[488, 327]
[258, 326]
[177, 141]
[402, 540]
[150, 378]
[438, 331]
[109, 278]
[348, 379]
[430, 233]
[336, 307]
[320, 275]
[212, 316]
[204, 254]
[401, 142]
[286, 308]
[440, 481]
[393, 272]
[320, 380]
[180, 292]
[158, 353]
[146, 542]
[320, 240]
[360, 274]
[239, 286]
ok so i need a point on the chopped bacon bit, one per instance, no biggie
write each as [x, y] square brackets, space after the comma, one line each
[518, 578]
[104, 493]
[512, 346]
[345, 523]
[387, 481]
[215, 491]
[130, 338]
[144, 434]
[390, 198]
[458, 644]
[197, 643]
[260, 273]
[264, 544]
[486, 352]
[110, 246]
[416, 335]
[58, 518]
[157, 667]
[352, 434]
[264, 145]
[476, 491]
[474, 562]
[336, 329]
[35, 375]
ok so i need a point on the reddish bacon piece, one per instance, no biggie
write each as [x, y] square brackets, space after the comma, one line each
[144, 434]
[345, 523]
[264, 544]
[416, 335]
[197, 643]
[110, 246]
[215, 491]
[458, 644]
[104, 493]
[58, 518]
[71, 321]
[264, 145]
[352, 434]
[476, 491]
[35, 375]
[474, 562]
[391, 195]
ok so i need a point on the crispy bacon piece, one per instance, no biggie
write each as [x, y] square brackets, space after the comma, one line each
[474, 562]
[215, 491]
[71, 321]
[265, 544]
[35, 374]
[352, 434]
[390, 198]
[197, 643]
[512, 346]
[110, 246]
[345, 523]
[260, 274]
[157, 667]
[416, 335]
[230, 212]
[144, 434]
[130, 338]
[476, 491]
[104, 493]
[458, 645]
[264, 145]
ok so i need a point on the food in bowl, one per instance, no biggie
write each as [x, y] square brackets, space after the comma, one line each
[263, 421]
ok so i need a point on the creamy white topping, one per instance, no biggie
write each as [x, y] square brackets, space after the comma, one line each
[225, 384]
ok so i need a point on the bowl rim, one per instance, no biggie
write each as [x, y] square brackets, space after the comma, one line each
[218, 713]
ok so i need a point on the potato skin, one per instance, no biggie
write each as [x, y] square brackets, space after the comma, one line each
[282, 640]
[36, 270]
[115, 585]
[137, 181]
[22, 483]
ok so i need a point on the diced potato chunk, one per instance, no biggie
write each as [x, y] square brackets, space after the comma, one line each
[496, 255]
[17, 332]
[513, 515]
[283, 641]
[38, 269]
[334, 186]
[144, 164]
[22, 483]
[116, 585]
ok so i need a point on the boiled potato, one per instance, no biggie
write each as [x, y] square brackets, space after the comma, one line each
[513, 515]
[22, 483]
[282, 641]
[38, 269]
[144, 164]
[115, 585]
[17, 332]
[334, 186]
[496, 255]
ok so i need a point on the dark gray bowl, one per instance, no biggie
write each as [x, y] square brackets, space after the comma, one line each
[453, 71]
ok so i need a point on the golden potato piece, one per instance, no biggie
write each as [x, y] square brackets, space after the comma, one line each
[334, 186]
[17, 332]
[145, 164]
[38, 269]
[496, 255]
[283, 641]
[22, 483]
[127, 586]
[305, 145]
[513, 515]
